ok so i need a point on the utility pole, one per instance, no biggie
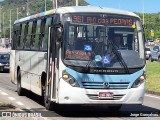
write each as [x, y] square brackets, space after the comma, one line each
[3, 25]
[143, 10]
[0, 19]
[10, 26]
[17, 13]
[45, 4]
[56, 4]
[76, 2]
[53, 3]
[1, 15]
[27, 7]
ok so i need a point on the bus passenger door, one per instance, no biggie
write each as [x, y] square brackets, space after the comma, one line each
[50, 87]
[49, 67]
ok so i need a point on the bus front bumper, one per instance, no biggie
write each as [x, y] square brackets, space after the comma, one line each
[75, 95]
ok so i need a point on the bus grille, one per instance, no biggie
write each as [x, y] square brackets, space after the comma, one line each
[100, 85]
[95, 97]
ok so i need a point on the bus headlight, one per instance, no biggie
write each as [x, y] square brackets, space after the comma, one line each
[69, 79]
[139, 81]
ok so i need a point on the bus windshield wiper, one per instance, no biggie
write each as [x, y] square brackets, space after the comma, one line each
[115, 51]
[121, 60]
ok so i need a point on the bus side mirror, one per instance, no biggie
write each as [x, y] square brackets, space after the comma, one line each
[59, 32]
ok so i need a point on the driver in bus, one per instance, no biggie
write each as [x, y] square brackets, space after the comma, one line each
[118, 42]
[99, 33]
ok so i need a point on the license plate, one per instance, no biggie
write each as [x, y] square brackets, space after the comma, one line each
[105, 95]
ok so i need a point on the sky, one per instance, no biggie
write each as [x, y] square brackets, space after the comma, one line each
[150, 6]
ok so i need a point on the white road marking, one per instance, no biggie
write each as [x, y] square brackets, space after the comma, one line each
[11, 98]
[3, 93]
[19, 103]
[153, 96]
[45, 118]
[28, 108]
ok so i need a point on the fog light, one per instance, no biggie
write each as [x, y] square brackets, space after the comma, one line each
[65, 76]
[142, 78]
[69, 79]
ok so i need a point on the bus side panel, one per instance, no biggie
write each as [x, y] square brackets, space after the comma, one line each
[33, 72]
[23, 61]
[12, 66]
[31, 64]
[37, 67]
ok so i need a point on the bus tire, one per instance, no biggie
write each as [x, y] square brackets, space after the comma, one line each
[49, 105]
[20, 90]
[150, 58]
[159, 59]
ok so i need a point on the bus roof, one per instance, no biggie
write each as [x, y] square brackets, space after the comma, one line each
[35, 16]
[83, 9]
[86, 9]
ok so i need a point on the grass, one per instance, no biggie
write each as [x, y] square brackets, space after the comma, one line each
[153, 76]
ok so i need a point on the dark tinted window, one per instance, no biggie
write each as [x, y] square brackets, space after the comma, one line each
[156, 48]
[4, 57]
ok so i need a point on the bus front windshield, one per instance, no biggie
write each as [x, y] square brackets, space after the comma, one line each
[103, 41]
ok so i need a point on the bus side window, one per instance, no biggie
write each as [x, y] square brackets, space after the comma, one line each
[42, 33]
[27, 35]
[36, 32]
[21, 37]
[16, 36]
[45, 40]
[32, 32]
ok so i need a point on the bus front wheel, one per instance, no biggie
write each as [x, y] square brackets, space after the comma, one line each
[20, 90]
[47, 102]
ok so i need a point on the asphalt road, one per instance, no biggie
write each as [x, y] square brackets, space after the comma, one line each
[32, 103]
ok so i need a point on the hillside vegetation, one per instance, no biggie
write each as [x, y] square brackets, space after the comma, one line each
[22, 8]
[152, 22]
[19, 9]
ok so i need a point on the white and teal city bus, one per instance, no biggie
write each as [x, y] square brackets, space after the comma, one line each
[69, 56]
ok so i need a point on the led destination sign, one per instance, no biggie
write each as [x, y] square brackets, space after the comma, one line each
[111, 20]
